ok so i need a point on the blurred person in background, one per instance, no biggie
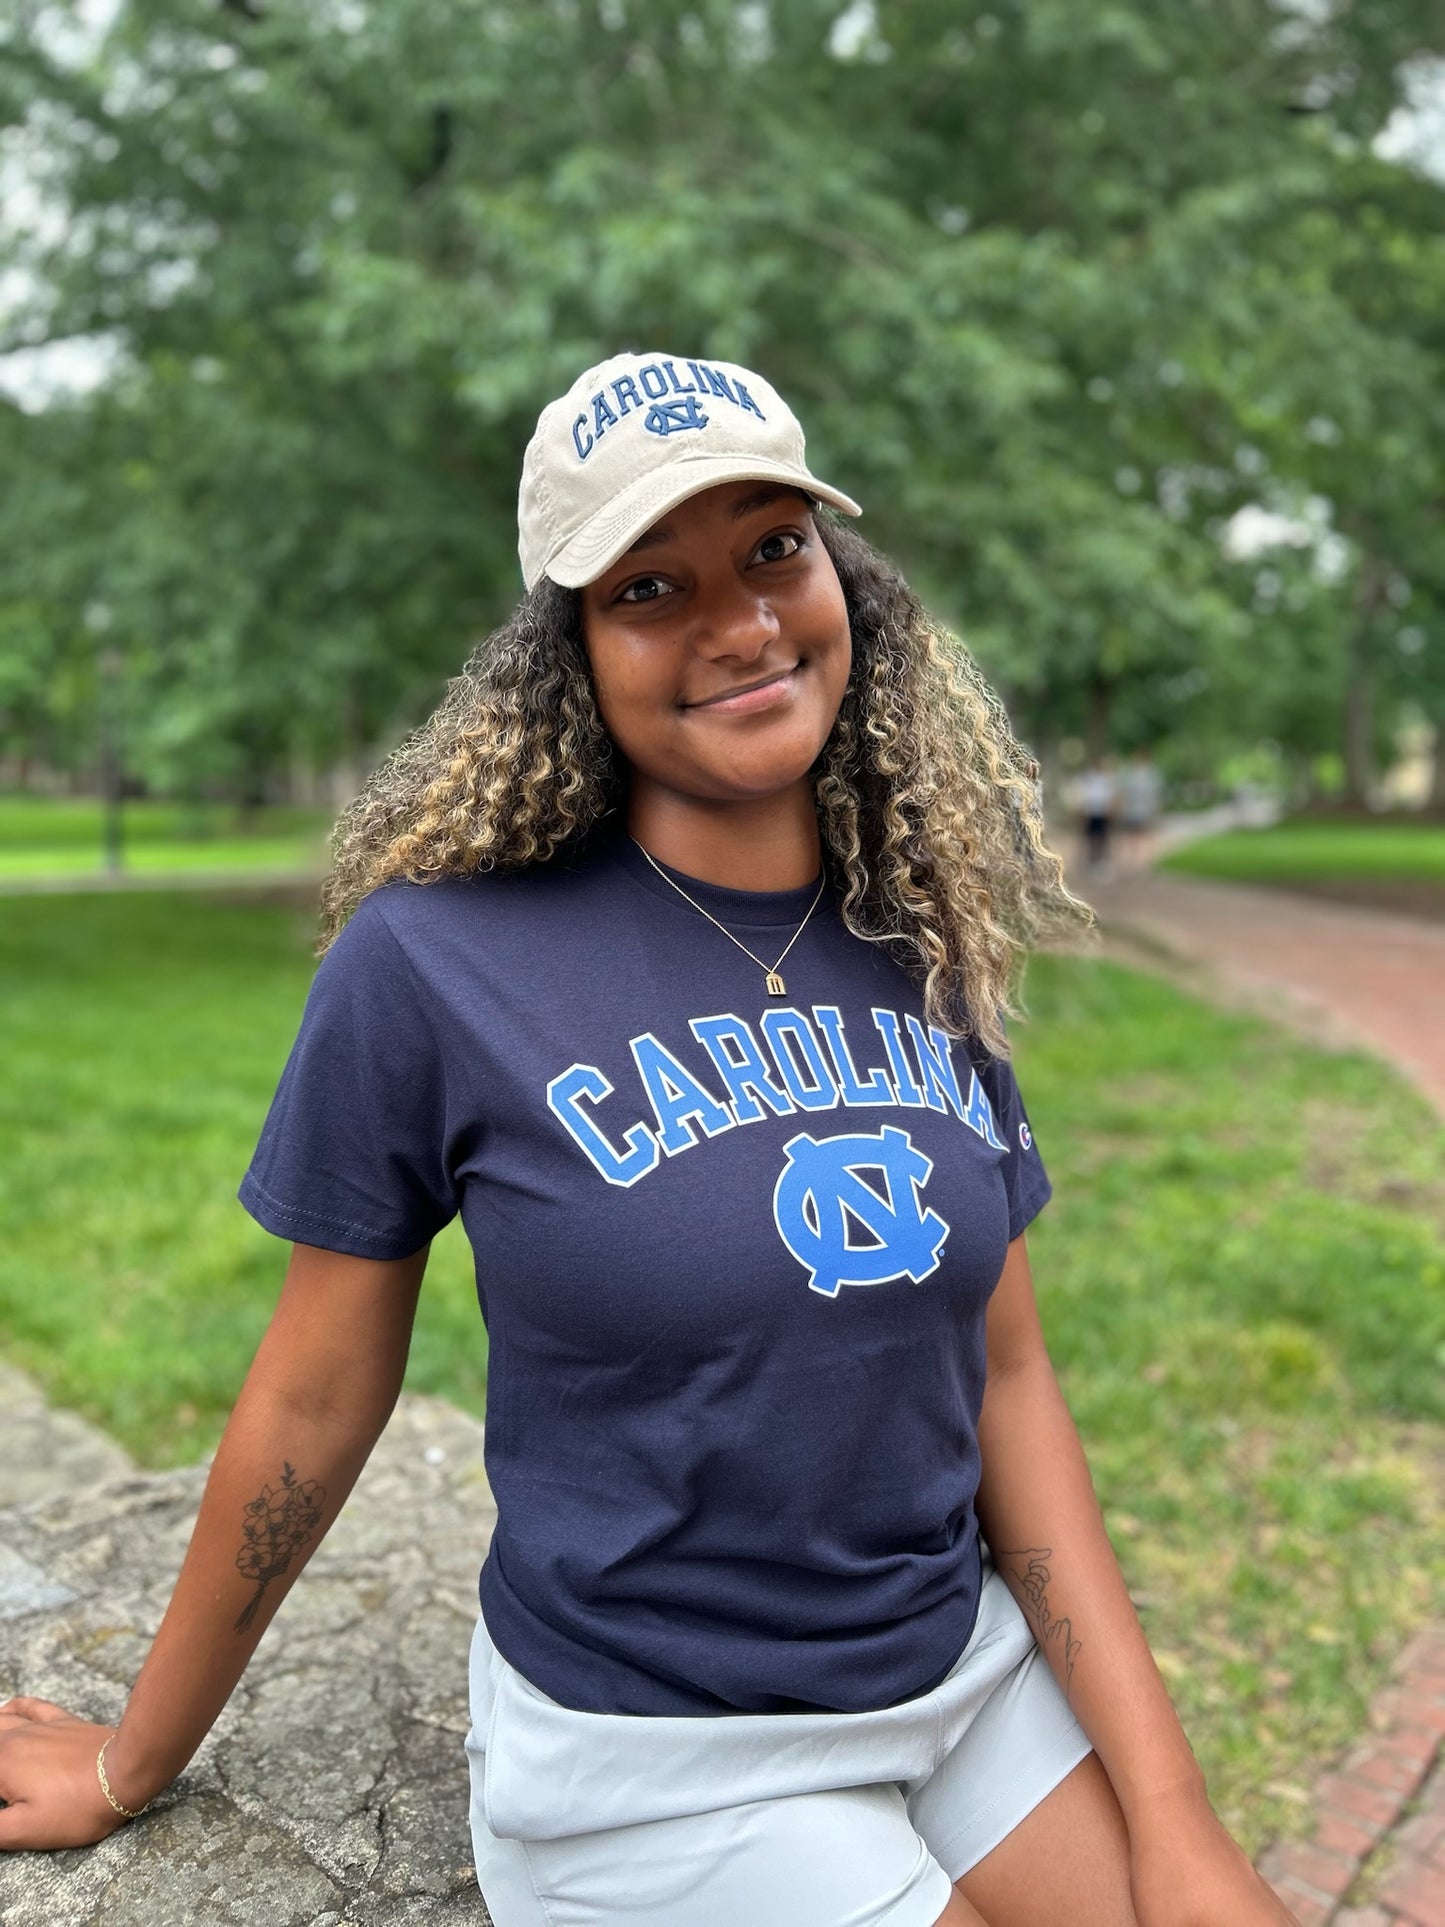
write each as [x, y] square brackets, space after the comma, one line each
[674, 953]
[1098, 801]
[1141, 795]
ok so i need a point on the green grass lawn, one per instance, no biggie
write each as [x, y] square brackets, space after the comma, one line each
[143, 1038]
[1243, 1279]
[1320, 852]
[1242, 1273]
[42, 837]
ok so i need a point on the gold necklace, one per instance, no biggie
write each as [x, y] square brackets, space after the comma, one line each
[775, 984]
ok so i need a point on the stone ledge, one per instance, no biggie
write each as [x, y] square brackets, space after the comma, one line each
[333, 1790]
[45, 1450]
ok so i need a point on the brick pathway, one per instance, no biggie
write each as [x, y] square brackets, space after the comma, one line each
[1375, 1855]
[1355, 976]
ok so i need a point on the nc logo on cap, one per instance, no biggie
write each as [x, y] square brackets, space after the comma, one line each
[671, 417]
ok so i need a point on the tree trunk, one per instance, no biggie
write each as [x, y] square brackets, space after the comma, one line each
[1358, 718]
[1299, 781]
[1359, 725]
[1435, 801]
[1100, 715]
[112, 781]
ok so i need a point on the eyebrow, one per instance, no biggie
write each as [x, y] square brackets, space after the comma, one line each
[760, 498]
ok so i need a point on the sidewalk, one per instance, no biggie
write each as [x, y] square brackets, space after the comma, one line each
[90, 883]
[1375, 1855]
[1347, 976]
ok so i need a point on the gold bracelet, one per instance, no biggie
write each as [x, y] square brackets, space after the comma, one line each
[128, 1813]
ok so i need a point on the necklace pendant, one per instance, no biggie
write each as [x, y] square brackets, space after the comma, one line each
[776, 986]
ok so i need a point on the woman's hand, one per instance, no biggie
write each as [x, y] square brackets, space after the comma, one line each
[48, 1779]
[1190, 1873]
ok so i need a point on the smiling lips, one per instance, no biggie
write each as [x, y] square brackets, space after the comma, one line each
[753, 695]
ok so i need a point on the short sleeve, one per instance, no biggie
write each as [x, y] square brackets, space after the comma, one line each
[352, 1156]
[1025, 1179]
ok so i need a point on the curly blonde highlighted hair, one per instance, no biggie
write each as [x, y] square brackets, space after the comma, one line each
[928, 806]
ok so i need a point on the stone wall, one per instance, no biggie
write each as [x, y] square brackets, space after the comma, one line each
[333, 1790]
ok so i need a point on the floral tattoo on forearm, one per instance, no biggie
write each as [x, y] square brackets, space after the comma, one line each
[276, 1526]
[1030, 1571]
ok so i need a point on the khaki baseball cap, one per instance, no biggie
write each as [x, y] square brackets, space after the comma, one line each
[631, 439]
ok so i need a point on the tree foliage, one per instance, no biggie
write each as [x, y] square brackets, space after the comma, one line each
[1057, 291]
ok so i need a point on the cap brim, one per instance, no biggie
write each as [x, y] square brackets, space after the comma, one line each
[592, 551]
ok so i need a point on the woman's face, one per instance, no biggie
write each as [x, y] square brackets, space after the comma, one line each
[719, 645]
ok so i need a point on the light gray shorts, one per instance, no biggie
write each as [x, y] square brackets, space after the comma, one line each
[767, 1819]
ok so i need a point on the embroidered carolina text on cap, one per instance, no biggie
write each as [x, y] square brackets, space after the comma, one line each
[660, 383]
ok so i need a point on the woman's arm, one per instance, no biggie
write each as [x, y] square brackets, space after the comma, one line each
[318, 1393]
[1044, 1529]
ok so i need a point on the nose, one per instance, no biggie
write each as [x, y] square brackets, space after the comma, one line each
[733, 622]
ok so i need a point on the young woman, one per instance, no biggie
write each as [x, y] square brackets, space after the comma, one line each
[674, 952]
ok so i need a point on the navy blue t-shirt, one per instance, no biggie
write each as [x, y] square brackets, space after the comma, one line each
[734, 1253]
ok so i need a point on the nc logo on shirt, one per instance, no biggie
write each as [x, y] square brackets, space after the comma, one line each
[821, 1196]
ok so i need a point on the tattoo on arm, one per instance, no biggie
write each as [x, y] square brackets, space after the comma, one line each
[1030, 1570]
[276, 1526]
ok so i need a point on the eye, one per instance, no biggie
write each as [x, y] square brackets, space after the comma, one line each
[646, 588]
[778, 546]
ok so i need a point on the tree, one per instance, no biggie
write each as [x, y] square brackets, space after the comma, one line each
[1032, 275]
